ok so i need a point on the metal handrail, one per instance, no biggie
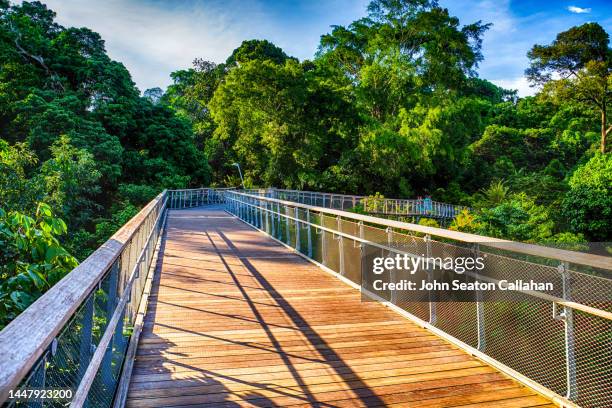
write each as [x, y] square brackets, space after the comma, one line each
[265, 214]
[27, 338]
[386, 206]
[596, 261]
[80, 397]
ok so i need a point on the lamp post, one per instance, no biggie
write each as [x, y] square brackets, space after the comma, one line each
[240, 173]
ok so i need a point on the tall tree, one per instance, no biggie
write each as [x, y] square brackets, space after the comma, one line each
[581, 59]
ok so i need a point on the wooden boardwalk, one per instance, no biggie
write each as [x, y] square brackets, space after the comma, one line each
[235, 319]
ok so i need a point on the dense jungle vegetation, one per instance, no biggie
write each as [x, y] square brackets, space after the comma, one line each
[390, 103]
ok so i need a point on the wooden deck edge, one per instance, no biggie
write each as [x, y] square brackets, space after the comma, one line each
[557, 399]
[128, 364]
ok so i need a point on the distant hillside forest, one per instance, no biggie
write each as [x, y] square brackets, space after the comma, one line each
[390, 104]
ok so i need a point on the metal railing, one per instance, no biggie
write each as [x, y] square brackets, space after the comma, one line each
[372, 205]
[559, 342]
[189, 198]
[75, 336]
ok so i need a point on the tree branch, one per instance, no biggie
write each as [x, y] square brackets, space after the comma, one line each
[36, 58]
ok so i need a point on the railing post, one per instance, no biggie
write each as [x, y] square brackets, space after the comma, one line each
[287, 224]
[86, 336]
[273, 220]
[570, 341]
[480, 321]
[309, 234]
[362, 255]
[340, 245]
[266, 222]
[111, 304]
[392, 274]
[280, 220]
[433, 309]
[297, 229]
[258, 214]
[250, 210]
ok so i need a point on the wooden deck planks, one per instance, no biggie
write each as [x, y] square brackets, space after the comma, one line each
[237, 320]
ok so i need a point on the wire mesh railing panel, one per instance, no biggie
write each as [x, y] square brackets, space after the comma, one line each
[375, 234]
[593, 360]
[410, 243]
[591, 289]
[541, 334]
[457, 319]
[368, 253]
[102, 391]
[331, 254]
[80, 348]
[414, 302]
[524, 336]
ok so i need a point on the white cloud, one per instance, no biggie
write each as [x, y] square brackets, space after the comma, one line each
[579, 10]
[152, 38]
[520, 84]
[152, 41]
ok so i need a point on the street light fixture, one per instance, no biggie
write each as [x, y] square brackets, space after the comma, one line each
[240, 173]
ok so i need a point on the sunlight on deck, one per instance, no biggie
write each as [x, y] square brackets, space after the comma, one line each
[236, 319]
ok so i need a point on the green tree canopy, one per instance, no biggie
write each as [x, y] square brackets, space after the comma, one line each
[581, 58]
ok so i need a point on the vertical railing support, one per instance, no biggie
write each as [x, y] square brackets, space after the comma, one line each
[86, 336]
[297, 229]
[287, 225]
[570, 341]
[340, 245]
[480, 319]
[309, 234]
[259, 214]
[280, 220]
[362, 253]
[433, 309]
[392, 273]
[273, 220]
[266, 222]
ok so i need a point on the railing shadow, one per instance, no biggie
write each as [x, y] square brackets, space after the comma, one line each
[155, 381]
[343, 370]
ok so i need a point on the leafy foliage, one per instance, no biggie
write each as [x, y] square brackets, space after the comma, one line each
[31, 258]
[588, 204]
[390, 105]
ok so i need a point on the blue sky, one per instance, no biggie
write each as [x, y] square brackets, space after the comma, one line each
[155, 37]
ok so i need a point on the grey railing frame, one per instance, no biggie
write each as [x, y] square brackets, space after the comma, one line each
[31, 334]
[596, 261]
[37, 327]
[384, 206]
[243, 205]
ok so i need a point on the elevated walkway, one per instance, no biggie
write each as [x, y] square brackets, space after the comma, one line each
[223, 298]
[236, 319]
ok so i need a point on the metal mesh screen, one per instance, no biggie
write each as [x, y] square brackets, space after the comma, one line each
[567, 351]
[68, 357]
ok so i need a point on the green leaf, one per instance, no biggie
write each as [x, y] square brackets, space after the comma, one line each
[44, 209]
[21, 299]
[37, 278]
[51, 253]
